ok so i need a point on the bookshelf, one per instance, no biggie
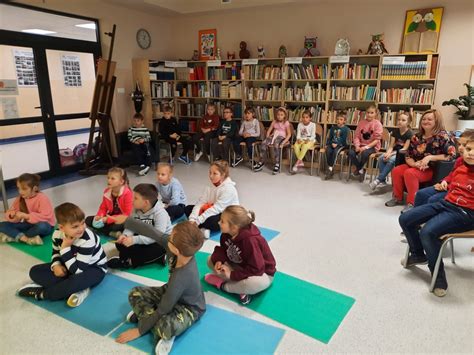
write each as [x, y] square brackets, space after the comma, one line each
[323, 85]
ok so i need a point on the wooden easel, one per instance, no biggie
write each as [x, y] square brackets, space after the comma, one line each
[100, 112]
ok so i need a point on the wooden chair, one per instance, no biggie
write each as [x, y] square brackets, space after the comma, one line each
[447, 238]
[318, 144]
[287, 145]
[375, 156]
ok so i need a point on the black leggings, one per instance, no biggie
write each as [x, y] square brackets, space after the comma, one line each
[141, 254]
[175, 211]
[211, 222]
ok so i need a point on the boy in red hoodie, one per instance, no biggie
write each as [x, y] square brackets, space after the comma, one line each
[207, 129]
[454, 214]
[243, 263]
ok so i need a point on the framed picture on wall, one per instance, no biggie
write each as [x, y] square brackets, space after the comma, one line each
[207, 44]
[421, 30]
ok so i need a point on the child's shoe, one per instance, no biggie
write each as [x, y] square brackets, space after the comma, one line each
[413, 260]
[237, 161]
[31, 290]
[361, 175]
[184, 159]
[197, 156]
[214, 280]
[245, 299]
[77, 298]
[276, 169]
[116, 263]
[5, 238]
[163, 347]
[258, 166]
[206, 233]
[295, 168]
[373, 185]
[441, 285]
[36, 240]
[144, 171]
[300, 164]
[132, 317]
[393, 202]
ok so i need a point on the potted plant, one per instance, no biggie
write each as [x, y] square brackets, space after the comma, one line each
[465, 106]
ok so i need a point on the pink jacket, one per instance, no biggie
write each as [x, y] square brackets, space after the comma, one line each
[124, 199]
[40, 209]
[367, 132]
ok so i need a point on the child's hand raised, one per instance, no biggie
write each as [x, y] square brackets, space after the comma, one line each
[128, 335]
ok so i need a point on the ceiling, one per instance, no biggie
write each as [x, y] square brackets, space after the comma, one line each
[187, 7]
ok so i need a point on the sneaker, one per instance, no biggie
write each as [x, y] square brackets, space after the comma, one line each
[393, 202]
[237, 161]
[362, 176]
[5, 238]
[276, 169]
[258, 166]
[77, 298]
[142, 166]
[373, 185]
[407, 208]
[198, 156]
[441, 285]
[382, 184]
[209, 158]
[355, 174]
[329, 175]
[115, 262]
[214, 280]
[184, 159]
[300, 164]
[403, 239]
[163, 347]
[36, 240]
[115, 234]
[245, 299]
[414, 260]
[144, 171]
[206, 233]
[295, 168]
[31, 290]
[132, 317]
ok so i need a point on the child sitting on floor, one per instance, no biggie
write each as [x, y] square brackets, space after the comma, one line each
[30, 217]
[171, 191]
[169, 310]
[117, 200]
[206, 213]
[305, 139]
[78, 261]
[336, 141]
[243, 263]
[140, 138]
[135, 249]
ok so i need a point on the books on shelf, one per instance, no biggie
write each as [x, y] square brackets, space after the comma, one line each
[261, 72]
[265, 113]
[317, 112]
[362, 92]
[236, 108]
[229, 71]
[191, 90]
[306, 93]
[310, 71]
[196, 73]
[353, 115]
[187, 109]
[389, 117]
[408, 70]
[226, 89]
[268, 93]
[157, 107]
[187, 125]
[160, 72]
[422, 95]
[354, 71]
[162, 89]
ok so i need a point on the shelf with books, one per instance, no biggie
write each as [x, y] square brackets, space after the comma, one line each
[354, 81]
[226, 90]
[267, 92]
[159, 72]
[162, 89]
[309, 69]
[264, 113]
[229, 70]
[295, 113]
[191, 89]
[265, 69]
[270, 102]
[355, 71]
[406, 66]
[353, 93]
[305, 102]
[308, 92]
[389, 117]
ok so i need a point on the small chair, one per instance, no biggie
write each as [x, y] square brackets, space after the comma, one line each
[447, 238]
[316, 147]
[375, 156]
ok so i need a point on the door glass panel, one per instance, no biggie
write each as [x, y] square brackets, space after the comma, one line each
[19, 96]
[72, 80]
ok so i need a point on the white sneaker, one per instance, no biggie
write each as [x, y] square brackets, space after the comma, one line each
[198, 156]
[132, 317]
[373, 185]
[163, 347]
[206, 232]
[77, 298]
[295, 168]
[144, 171]
[5, 238]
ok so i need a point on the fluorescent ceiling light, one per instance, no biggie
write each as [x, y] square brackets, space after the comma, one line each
[90, 26]
[38, 31]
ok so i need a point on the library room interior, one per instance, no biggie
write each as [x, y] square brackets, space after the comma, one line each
[237, 177]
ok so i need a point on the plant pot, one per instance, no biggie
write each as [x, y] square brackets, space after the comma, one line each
[463, 124]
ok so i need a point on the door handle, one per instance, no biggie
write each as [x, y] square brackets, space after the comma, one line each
[37, 107]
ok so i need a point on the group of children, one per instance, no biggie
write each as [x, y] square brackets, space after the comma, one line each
[140, 225]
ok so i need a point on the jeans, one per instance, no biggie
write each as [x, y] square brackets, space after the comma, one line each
[249, 141]
[175, 211]
[58, 288]
[359, 159]
[332, 153]
[221, 149]
[439, 218]
[142, 153]
[428, 195]
[211, 223]
[385, 167]
[24, 228]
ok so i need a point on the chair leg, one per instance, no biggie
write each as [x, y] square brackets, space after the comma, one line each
[451, 244]
[312, 163]
[349, 171]
[438, 262]
[407, 254]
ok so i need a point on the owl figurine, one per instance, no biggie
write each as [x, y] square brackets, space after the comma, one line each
[377, 46]
[309, 49]
[342, 47]
[261, 51]
[282, 52]
[230, 55]
[421, 34]
[195, 56]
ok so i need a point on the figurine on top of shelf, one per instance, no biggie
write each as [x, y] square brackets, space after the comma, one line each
[360, 51]
[244, 52]
[230, 55]
[309, 49]
[377, 46]
[218, 55]
[195, 55]
[261, 51]
[342, 47]
[282, 52]
[137, 98]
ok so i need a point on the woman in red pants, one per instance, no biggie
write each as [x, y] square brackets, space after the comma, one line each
[432, 143]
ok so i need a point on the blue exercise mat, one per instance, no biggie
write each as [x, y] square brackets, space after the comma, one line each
[217, 332]
[267, 233]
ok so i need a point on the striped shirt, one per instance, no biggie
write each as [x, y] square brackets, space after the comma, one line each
[136, 133]
[84, 252]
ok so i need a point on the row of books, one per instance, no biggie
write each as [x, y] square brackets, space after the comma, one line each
[236, 108]
[160, 72]
[295, 114]
[407, 70]
[407, 95]
[354, 71]
[225, 72]
[191, 90]
[362, 92]
[226, 90]
[161, 89]
[261, 72]
[306, 93]
[353, 115]
[196, 73]
[157, 108]
[188, 109]
[263, 93]
[301, 71]
[389, 118]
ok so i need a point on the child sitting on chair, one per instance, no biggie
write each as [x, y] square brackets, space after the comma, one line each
[171, 133]
[78, 261]
[243, 263]
[337, 141]
[140, 138]
[249, 133]
[207, 129]
[225, 136]
[170, 191]
[305, 139]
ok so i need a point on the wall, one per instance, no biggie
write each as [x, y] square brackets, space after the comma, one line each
[330, 20]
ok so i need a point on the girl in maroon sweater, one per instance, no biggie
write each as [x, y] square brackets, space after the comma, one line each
[243, 263]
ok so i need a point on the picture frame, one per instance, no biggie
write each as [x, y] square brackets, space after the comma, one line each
[421, 30]
[207, 44]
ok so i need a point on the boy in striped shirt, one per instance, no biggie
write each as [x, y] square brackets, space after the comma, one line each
[78, 261]
[140, 138]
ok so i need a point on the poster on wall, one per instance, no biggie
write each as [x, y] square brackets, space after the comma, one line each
[421, 30]
[71, 70]
[9, 107]
[25, 68]
[8, 87]
[207, 44]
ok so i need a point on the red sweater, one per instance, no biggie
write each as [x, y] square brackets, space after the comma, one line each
[461, 188]
[124, 200]
[459, 162]
[207, 122]
[249, 250]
